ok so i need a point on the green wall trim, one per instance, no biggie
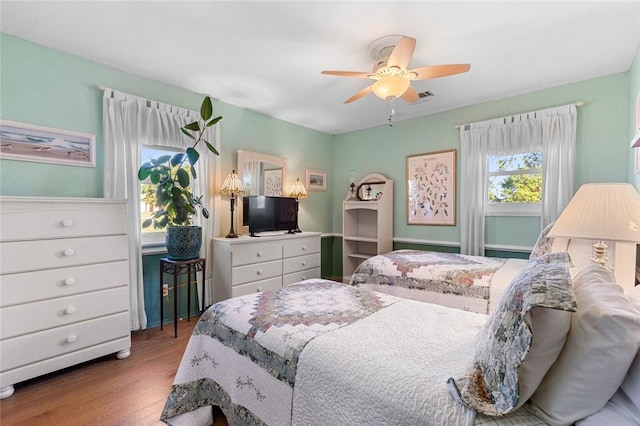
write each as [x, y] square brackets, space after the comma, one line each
[151, 280]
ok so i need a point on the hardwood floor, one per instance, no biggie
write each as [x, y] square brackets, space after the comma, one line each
[106, 391]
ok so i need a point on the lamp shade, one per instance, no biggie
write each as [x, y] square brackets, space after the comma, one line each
[232, 184]
[601, 211]
[298, 190]
[391, 86]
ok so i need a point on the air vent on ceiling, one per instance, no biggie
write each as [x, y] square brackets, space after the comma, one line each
[424, 97]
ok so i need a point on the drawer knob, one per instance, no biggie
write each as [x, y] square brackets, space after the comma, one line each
[69, 252]
[70, 281]
[67, 223]
[304, 263]
[259, 254]
[72, 338]
[304, 277]
[70, 310]
[259, 272]
[304, 248]
[259, 289]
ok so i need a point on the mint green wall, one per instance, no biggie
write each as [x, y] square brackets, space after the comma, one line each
[601, 151]
[634, 92]
[50, 88]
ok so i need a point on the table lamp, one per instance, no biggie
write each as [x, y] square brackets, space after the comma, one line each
[232, 185]
[298, 191]
[605, 212]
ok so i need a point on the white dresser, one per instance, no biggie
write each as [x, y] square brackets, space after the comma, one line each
[64, 284]
[247, 264]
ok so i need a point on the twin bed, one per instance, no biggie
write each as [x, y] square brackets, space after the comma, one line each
[321, 352]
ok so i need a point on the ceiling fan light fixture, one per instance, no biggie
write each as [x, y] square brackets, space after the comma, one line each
[390, 87]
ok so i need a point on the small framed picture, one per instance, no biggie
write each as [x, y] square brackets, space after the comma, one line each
[316, 180]
[30, 142]
[272, 179]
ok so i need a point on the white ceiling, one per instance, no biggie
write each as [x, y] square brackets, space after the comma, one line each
[267, 56]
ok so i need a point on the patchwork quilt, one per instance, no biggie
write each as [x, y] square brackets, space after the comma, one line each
[244, 351]
[450, 279]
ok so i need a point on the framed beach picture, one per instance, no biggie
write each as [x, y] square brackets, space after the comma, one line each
[431, 188]
[272, 179]
[316, 180]
[30, 142]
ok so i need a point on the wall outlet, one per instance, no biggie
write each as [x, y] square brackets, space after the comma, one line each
[165, 290]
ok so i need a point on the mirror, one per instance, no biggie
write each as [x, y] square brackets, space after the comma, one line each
[262, 174]
[370, 191]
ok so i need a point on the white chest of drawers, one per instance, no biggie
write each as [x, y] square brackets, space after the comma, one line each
[246, 264]
[64, 284]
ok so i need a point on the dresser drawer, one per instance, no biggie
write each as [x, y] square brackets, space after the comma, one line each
[300, 246]
[243, 254]
[26, 256]
[301, 275]
[40, 285]
[257, 271]
[34, 347]
[300, 263]
[22, 319]
[270, 284]
[28, 220]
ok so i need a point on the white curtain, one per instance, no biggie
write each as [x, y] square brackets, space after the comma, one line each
[128, 123]
[251, 175]
[551, 131]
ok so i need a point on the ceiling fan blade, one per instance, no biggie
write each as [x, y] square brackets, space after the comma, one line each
[436, 71]
[360, 94]
[356, 74]
[402, 53]
[410, 95]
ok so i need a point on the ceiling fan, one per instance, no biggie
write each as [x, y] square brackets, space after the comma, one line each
[393, 80]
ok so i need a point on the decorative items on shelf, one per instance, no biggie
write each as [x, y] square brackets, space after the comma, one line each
[298, 191]
[352, 186]
[233, 186]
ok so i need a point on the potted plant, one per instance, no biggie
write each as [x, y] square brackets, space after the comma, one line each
[175, 204]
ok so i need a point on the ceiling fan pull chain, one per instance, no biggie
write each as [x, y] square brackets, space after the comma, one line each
[392, 111]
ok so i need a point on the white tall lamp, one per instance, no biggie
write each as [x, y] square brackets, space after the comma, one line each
[298, 191]
[232, 185]
[605, 212]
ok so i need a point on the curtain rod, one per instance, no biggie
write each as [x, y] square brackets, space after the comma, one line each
[578, 104]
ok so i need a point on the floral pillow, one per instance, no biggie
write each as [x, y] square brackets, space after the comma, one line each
[508, 360]
[544, 243]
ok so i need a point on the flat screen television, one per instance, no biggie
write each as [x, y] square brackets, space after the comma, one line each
[264, 214]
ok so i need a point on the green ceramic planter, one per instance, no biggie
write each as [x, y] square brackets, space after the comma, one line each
[184, 242]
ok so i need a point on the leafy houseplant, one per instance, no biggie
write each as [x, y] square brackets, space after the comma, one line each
[172, 175]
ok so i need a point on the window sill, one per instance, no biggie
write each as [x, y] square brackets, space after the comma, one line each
[512, 213]
[153, 248]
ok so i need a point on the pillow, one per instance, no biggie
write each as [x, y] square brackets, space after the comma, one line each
[603, 341]
[618, 411]
[521, 338]
[543, 244]
[631, 384]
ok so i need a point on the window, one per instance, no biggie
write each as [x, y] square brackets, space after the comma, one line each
[514, 186]
[150, 235]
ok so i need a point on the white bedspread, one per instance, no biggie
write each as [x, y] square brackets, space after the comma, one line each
[379, 371]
